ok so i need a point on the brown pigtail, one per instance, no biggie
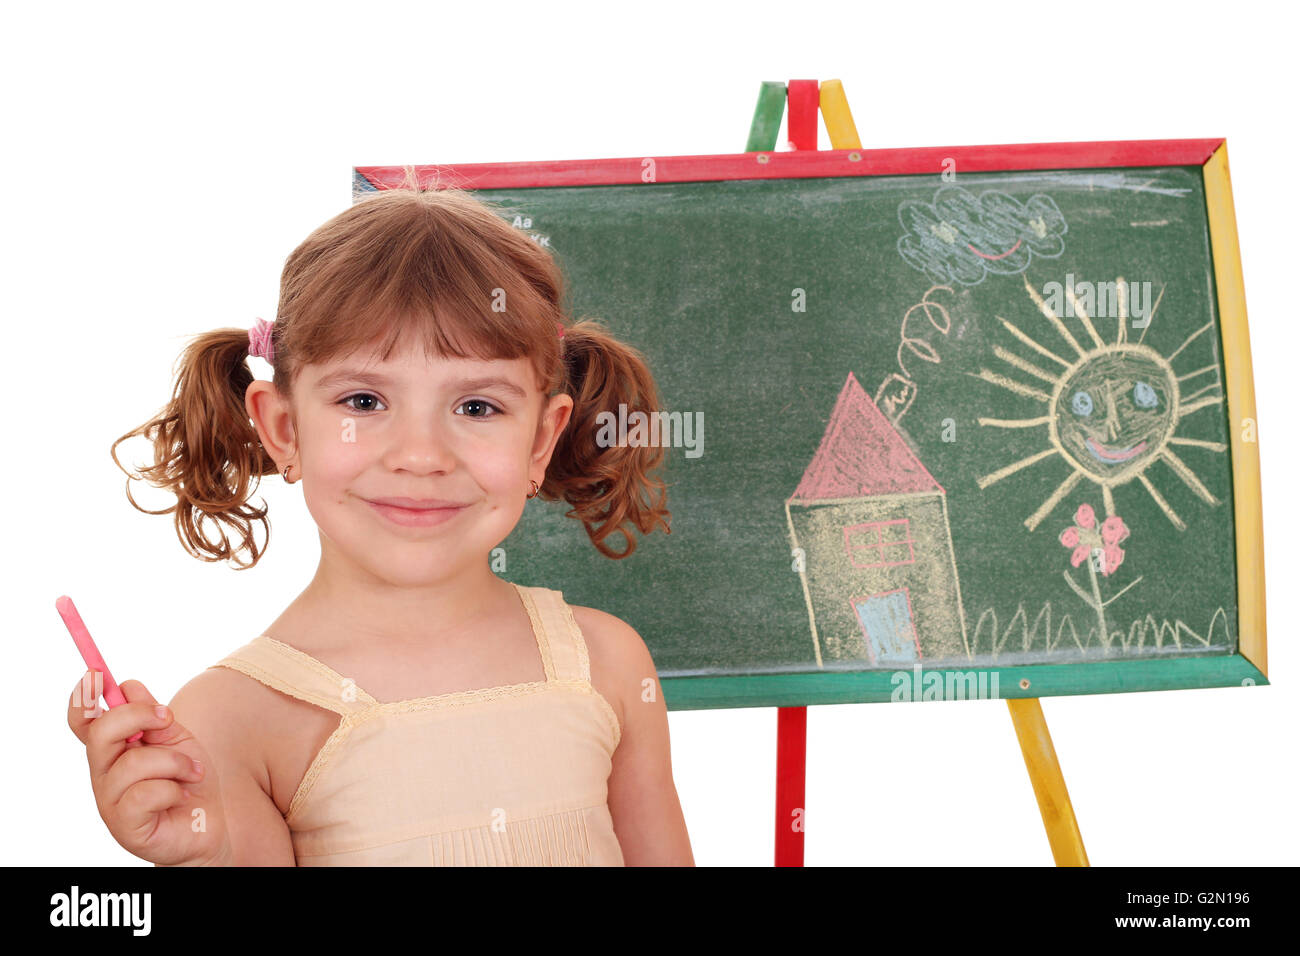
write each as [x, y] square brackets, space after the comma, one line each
[206, 450]
[610, 487]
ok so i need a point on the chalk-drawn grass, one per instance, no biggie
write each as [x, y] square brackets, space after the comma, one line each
[1149, 634]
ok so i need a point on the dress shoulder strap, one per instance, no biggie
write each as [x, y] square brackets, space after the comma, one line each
[564, 652]
[293, 672]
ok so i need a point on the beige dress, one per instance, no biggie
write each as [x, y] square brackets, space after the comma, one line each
[503, 776]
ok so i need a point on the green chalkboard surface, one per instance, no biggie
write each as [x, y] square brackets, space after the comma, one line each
[913, 423]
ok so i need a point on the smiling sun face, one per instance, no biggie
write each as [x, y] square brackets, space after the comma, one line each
[1113, 412]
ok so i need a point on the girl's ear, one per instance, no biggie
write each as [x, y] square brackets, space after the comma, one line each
[556, 414]
[273, 419]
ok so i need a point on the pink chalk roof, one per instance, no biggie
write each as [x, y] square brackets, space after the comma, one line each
[861, 454]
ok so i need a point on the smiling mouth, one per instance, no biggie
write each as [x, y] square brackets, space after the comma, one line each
[415, 517]
[984, 255]
[1109, 455]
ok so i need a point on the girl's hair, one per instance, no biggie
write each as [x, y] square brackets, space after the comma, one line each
[437, 263]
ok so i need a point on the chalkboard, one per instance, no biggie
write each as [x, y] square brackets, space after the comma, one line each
[972, 422]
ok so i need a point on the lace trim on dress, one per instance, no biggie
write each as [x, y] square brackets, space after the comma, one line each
[539, 631]
[317, 767]
[258, 673]
[584, 669]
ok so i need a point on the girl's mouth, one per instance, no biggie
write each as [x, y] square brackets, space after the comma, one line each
[415, 517]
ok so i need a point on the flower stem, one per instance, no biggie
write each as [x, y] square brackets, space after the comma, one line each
[1101, 608]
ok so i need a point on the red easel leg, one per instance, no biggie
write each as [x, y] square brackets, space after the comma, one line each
[791, 741]
[792, 722]
[801, 115]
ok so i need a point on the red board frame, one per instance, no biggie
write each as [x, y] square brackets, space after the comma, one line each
[796, 164]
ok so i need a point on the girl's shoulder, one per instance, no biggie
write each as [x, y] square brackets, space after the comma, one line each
[620, 660]
[222, 709]
[616, 637]
[253, 730]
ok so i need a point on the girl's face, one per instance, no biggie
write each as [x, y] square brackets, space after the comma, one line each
[464, 433]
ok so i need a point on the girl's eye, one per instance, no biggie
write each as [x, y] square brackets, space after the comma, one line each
[376, 404]
[360, 395]
[478, 402]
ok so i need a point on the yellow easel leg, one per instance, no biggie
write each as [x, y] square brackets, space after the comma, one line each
[835, 114]
[1049, 785]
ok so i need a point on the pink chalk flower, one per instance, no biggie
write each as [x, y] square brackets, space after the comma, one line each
[1084, 537]
[1114, 530]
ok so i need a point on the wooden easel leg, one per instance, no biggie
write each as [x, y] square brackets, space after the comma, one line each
[1049, 785]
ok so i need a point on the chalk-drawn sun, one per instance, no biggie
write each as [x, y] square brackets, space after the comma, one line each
[1112, 410]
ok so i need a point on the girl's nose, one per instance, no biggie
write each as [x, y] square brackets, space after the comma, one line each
[421, 444]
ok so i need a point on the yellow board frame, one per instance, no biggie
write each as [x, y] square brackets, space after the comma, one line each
[1248, 510]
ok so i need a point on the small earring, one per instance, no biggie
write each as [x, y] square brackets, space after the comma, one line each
[534, 484]
[286, 474]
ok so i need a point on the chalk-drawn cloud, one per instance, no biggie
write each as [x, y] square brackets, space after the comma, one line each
[962, 238]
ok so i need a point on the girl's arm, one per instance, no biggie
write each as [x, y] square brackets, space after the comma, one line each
[642, 798]
[215, 708]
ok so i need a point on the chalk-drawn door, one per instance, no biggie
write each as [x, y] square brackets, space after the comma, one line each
[886, 621]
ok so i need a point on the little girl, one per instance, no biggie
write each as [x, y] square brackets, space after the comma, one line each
[409, 707]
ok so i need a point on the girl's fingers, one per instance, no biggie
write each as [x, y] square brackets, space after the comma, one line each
[147, 798]
[107, 734]
[147, 763]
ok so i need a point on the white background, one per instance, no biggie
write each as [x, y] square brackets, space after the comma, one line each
[163, 160]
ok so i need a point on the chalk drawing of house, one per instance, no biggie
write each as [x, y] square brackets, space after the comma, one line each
[878, 571]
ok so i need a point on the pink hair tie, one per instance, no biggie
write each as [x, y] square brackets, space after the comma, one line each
[259, 340]
[560, 326]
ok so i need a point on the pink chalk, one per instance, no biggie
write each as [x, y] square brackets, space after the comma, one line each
[90, 654]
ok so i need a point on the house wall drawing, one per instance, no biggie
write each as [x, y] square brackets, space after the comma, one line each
[879, 574]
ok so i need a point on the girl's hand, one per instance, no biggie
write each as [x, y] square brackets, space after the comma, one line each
[156, 803]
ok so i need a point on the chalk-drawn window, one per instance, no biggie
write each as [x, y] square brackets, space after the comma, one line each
[879, 544]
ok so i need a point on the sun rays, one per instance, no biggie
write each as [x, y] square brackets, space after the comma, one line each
[1110, 409]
